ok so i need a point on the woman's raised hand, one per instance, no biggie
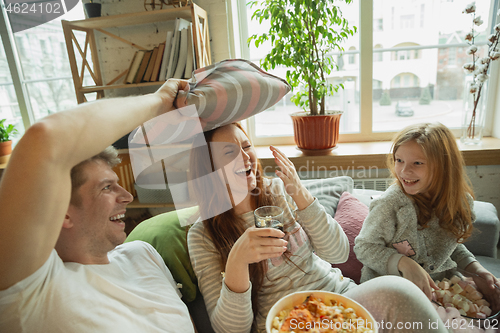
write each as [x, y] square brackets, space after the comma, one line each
[290, 178]
[255, 245]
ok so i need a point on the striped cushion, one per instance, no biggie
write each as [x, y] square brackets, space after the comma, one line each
[231, 90]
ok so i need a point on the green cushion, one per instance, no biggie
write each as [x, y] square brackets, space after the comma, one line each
[167, 236]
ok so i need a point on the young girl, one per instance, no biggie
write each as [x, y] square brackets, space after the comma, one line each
[243, 270]
[417, 227]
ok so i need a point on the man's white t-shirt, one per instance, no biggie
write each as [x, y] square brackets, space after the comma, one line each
[135, 292]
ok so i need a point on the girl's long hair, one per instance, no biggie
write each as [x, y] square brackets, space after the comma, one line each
[447, 195]
[225, 228]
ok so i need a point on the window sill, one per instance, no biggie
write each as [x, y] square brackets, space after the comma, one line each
[372, 155]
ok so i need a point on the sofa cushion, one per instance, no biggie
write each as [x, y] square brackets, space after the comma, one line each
[167, 236]
[351, 214]
[484, 239]
[329, 190]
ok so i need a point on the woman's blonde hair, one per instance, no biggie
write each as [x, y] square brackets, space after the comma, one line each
[449, 187]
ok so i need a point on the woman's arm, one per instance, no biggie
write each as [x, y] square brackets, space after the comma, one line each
[228, 299]
[326, 236]
[228, 311]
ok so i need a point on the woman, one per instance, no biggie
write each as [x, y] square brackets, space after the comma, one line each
[242, 270]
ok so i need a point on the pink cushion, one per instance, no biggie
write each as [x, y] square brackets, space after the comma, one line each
[351, 214]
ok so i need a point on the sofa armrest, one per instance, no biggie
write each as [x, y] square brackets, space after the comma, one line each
[484, 239]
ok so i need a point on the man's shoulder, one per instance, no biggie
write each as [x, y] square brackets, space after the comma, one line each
[133, 247]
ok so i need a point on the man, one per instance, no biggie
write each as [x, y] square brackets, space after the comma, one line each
[62, 268]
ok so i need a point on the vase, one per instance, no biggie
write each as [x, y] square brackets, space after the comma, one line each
[316, 135]
[474, 111]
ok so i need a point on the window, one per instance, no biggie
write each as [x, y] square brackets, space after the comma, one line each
[352, 56]
[378, 56]
[422, 15]
[407, 22]
[378, 25]
[452, 56]
[44, 78]
[415, 62]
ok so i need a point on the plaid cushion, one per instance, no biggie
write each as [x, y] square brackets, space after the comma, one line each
[231, 90]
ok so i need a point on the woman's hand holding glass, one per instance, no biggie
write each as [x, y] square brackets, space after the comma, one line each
[255, 245]
[290, 178]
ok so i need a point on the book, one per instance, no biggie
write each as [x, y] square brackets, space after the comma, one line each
[144, 65]
[183, 50]
[191, 57]
[166, 56]
[174, 52]
[158, 61]
[134, 66]
[151, 65]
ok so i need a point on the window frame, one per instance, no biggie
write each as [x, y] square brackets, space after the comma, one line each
[19, 80]
[366, 53]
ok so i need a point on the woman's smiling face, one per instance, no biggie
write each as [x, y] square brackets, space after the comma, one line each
[233, 152]
[412, 168]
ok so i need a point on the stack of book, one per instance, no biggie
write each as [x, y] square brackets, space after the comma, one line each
[175, 58]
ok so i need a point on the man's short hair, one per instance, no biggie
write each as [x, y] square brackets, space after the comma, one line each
[108, 155]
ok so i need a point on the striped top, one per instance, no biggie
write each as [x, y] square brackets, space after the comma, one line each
[311, 230]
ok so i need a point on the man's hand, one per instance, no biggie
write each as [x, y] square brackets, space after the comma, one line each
[168, 92]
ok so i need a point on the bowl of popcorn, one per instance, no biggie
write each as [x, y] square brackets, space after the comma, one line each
[461, 292]
[321, 311]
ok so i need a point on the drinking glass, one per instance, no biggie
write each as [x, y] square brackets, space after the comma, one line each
[269, 217]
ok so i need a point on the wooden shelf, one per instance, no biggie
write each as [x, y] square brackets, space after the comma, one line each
[86, 69]
[132, 18]
[91, 89]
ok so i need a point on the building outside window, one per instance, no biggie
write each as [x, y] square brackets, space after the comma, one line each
[416, 60]
[45, 73]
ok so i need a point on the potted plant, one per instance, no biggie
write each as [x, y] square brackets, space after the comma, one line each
[303, 36]
[93, 9]
[6, 133]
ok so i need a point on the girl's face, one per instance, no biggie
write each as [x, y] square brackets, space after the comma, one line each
[412, 168]
[233, 152]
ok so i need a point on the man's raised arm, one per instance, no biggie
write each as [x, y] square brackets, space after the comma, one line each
[35, 188]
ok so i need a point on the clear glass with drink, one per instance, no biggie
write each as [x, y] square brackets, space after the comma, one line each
[269, 217]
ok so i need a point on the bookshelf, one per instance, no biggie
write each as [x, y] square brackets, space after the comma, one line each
[84, 69]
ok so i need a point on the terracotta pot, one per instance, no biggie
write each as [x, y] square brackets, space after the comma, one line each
[316, 132]
[5, 150]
